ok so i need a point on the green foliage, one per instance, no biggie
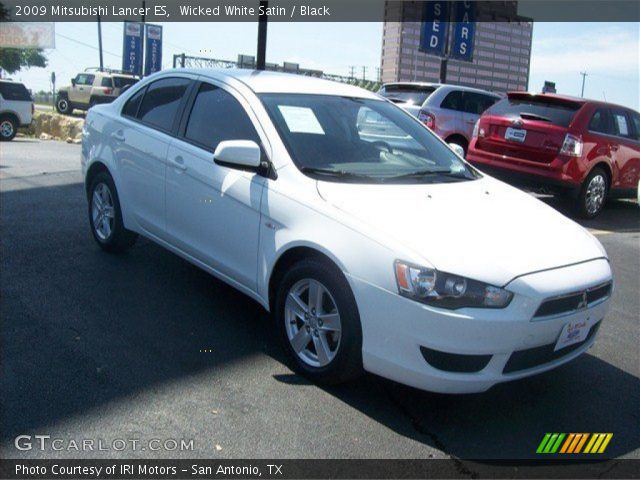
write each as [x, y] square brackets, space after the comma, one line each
[14, 59]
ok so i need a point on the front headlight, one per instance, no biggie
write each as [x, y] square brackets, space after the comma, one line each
[446, 290]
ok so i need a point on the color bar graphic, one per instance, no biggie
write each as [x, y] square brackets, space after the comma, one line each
[553, 443]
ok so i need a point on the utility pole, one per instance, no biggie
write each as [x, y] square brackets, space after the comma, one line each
[100, 43]
[584, 76]
[364, 73]
[379, 74]
[262, 36]
[352, 71]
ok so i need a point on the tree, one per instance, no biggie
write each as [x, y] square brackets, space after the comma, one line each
[13, 59]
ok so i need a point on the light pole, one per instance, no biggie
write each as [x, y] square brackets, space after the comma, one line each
[262, 37]
[584, 76]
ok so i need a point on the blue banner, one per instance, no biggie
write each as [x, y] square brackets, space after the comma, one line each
[434, 28]
[153, 49]
[132, 48]
[463, 32]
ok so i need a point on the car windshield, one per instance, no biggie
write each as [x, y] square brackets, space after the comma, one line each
[361, 140]
[412, 94]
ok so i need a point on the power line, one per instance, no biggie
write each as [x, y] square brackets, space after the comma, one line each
[85, 44]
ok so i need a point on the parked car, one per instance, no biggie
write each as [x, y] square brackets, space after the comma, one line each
[350, 222]
[452, 111]
[449, 110]
[587, 149]
[408, 95]
[91, 88]
[16, 108]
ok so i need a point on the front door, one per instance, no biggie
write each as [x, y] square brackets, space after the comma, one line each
[213, 212]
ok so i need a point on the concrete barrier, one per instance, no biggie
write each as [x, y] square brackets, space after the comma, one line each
[53, 126]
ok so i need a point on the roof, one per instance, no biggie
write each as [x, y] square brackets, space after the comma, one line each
[568, 98]
[447, 86]
[263, 81]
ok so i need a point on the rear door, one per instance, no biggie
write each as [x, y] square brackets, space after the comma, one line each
[140, 143]
[625, 149]
[528, 127]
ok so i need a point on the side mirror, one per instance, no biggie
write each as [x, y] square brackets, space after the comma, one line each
[238, 154]
[457, 149]
[73, 82]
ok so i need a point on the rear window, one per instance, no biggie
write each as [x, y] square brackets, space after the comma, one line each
[106, 82]
[536, 108]
[14, 91]
[119, 82]
[413, 94]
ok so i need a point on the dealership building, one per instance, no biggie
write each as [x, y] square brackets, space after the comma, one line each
[501, 53]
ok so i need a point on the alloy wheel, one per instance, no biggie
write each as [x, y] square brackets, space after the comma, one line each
[595, 196]
[312, 322]
[102, 211]
[6, 129]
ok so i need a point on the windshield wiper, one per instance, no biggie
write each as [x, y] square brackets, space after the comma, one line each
[534, 116]
[333, 173]
[445, 172]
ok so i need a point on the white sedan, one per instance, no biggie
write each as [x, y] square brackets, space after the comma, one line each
[373, 245]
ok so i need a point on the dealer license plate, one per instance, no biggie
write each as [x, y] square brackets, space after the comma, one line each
[515, 134]
[572, 333]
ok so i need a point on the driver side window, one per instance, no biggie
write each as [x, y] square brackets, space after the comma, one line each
[217, 116]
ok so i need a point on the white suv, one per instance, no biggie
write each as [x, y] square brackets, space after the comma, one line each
[372, 243]
[16, 108]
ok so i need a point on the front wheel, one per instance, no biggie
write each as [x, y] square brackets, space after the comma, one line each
[105, 216]
[8, 128]
[593, 194]
[319, 323]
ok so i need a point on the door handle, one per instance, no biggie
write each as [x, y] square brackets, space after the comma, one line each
[178, 162]
[118, 136]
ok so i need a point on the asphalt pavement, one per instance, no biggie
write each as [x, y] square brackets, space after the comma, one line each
[146, 346]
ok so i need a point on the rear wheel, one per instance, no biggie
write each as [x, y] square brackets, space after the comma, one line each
[105, 216]
[63, 106]
[318, 321]
[8, 128]
[593, 194]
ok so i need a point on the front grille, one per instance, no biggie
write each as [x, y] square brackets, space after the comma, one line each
[534, 357]
[574, 301]
[454, 362]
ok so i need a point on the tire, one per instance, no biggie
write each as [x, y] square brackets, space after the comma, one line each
[593, 194]
[63, 106]
[8, 128]
[106, 220]
[340, 359]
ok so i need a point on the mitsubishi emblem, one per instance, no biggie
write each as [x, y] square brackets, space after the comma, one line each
[583, 301]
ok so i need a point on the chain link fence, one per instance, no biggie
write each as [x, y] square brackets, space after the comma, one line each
[186, 61]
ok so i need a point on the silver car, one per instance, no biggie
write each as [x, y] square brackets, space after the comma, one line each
[451, 111]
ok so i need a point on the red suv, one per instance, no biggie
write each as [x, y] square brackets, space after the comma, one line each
[585, 148]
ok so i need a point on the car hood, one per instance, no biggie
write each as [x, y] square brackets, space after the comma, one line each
[482, 229]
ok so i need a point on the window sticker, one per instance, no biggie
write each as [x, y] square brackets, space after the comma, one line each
[300, 120]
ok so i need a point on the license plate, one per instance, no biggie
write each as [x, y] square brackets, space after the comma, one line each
[515, 134]
[573, 332]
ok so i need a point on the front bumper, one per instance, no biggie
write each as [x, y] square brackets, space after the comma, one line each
[396, 331]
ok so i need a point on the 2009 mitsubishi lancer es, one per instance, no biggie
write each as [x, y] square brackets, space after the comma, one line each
[372, 243]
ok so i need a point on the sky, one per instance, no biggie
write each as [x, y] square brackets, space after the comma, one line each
[607, 52]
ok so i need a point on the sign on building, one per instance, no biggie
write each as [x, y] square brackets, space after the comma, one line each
[463, 32]
[153, 49]
[132, 48]
[433, 31]
[27, 35]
